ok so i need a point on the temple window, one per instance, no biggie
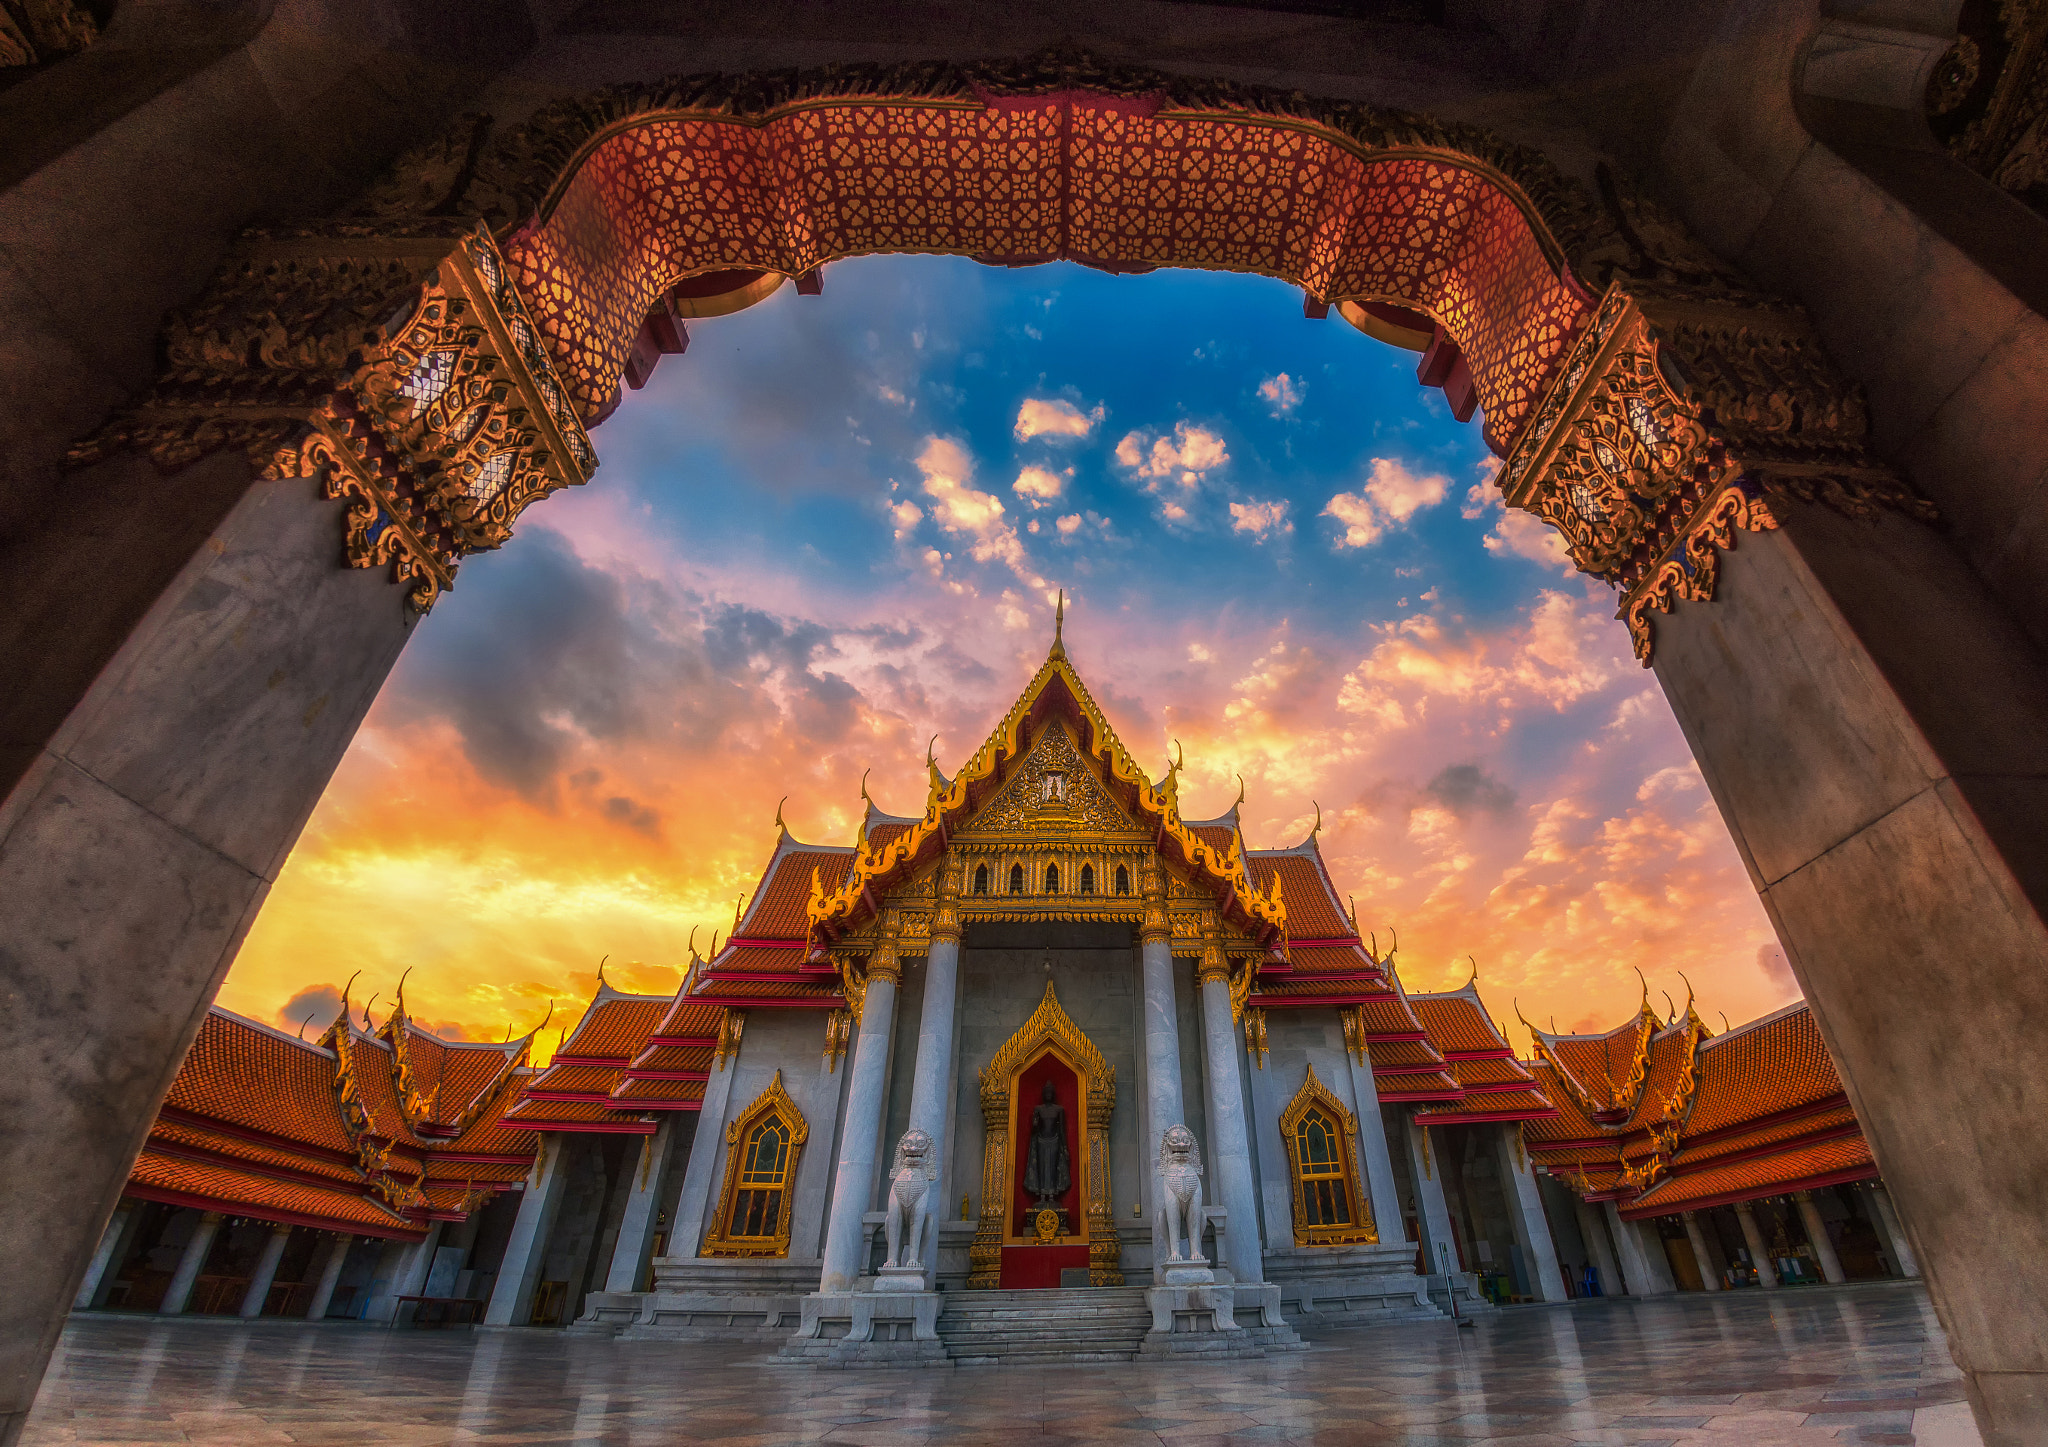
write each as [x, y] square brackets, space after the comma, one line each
[1123, 880]
[1016, 879]
[1328, 1204]
[762, 1145]
[1052, 879]
[981, 879]
[1087, 879]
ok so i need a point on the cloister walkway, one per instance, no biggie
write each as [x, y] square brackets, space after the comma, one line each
[1855, 1364]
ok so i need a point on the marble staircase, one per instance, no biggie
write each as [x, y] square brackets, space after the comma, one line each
[1016, 1328]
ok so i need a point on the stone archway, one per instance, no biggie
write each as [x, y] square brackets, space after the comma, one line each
[1668, 410]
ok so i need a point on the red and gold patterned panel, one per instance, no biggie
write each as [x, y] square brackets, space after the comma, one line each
[674, 196]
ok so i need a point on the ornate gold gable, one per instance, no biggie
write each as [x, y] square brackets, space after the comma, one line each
[1048, 1028]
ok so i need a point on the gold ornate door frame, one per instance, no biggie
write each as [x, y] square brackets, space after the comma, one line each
[1048, 1026]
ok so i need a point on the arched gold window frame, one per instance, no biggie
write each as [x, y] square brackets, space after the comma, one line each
[1315, 1096]
[774, 1101]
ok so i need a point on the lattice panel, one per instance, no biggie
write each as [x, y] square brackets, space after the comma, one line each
[678, 195]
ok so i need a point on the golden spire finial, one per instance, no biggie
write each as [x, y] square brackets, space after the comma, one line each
[401, 989]
[1644, 1008]
[1673, 1018]
[1469, 984]
[1059, 625]
[931, 752]
[1725, 1026]
[1689, 1012]
[600, 972]
[1240, 794]
[864, 787]
[714, 946]
[738, 910]
[367, 1025]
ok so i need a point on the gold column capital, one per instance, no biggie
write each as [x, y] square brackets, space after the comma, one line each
[884, 963]
[945, 923]
[1215, 965]
[1153, 925]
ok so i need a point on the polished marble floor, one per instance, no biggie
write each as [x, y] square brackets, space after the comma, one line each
[1857, 1364]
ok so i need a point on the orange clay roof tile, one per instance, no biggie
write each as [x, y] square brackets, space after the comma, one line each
[780, 905]
[690, 1019]
[242, 1073]
[1393, 1054]
[634, 1092]
[1456, 1022]
[1778, 1063]
[1312, 909]
[247, 1193]
[616, 1026]
[176, 1136]
[1846, 1159]
[1489, 1105]
[1329, 959]
[674, 1057]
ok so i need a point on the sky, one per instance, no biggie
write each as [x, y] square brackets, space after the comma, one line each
[837, 526]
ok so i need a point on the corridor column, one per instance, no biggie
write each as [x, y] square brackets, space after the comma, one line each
[108, 1254]
[1817, 1237]
[1766, 1268]
[1441, 1246]
[931, 1089]
[1229, 1144]
[525, 1254]
[1647, 1275]
[265, 1272]
[1374, 1158]
[1594, 1232]
[853, 1184]
[635, 1246]
[1525, 1213]
[1709, 1277]
[1888, 1217]
[330, 1276]
[179, 1292]
[1162, 1040]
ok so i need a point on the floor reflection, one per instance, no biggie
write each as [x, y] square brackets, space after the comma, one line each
[1861, 1364]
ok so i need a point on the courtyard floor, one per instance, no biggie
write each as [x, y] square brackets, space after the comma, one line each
[1856, 1364]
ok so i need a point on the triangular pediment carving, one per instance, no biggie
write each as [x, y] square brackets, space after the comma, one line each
[1054, 792]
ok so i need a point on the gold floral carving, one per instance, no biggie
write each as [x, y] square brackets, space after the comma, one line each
[1079, 805]
[1315, 1096]
[1048, 1029]
[403, 372]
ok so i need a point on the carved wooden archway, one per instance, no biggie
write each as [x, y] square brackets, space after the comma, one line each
[436, 355]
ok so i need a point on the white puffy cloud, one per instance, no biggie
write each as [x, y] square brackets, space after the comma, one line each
[960, 507]
[1069, 525]
[1261, 519]
[1515, 533]
[1054, 417]
[1391, 495]
[906, 515]
[1040, 486]
[1183, 457]
[1282, 393]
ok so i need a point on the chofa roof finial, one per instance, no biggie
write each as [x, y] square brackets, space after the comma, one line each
[1059, 627]
[600, 972]
[782, 827]
[1318, 827]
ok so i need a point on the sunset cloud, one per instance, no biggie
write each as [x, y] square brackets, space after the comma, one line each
[1054, 417]
[1281, 393]
[1391, 495]
[1261, 519]
[1182, 457]
[1041, 487]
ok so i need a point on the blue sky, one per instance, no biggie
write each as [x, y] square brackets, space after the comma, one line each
[836, 527]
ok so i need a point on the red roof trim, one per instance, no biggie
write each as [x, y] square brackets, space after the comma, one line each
[661, 1105]
[765, 942]
[1302, 1002]
[1402, 1097]
[166, 1197]
[600, 1127]
[688, 1042]
[1324, 944]
[1501, 1054]
[587, 1060]
[1481, 1117]
[1780, 1188]
[778, 1002]
[662, 1075]
[1399, 1037]
[769, 977]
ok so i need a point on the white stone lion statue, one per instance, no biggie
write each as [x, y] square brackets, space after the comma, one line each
[910, 1188]
[1180, 1193]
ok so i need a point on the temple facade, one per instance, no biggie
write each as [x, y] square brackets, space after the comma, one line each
[1047, 1036]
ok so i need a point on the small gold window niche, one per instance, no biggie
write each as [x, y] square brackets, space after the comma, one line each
[762, 1146]
[1016, 879]
[1052, 879]
[1321, 1135]
[1087, 879]
[981, 879]
[1123, 880]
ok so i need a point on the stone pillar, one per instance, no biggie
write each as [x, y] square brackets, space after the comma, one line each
[932, 1084]
[1594, 1230]
[1162, 1022]
[1525, 1212]
[411, 1277]
[1817, 1237]
[853, 1183]
[1439, 1241]
[1873, 726]
[635, 1246]
[1759, 1254]
[179, 1292]
[1709, 1277]
[1373, 1156]
[526, 1251]
[107, 1257]
[1888, 1218]
[1647, 1275]
[330, 1276]
[1229, 1143]
[265, 1272]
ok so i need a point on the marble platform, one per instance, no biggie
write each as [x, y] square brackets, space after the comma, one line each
[1862, 1364]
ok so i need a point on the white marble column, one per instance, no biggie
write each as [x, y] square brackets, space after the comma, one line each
[1163, 1101]
[1648, 1274]
[1759, 1254]
[1229, 1142]
[106, 1256]
[1817, 1237]
[179, 1292]
[1433, 1211]
[526, 1252]
[853, 1183]
[265, 1272]
[635, 1246]
[411, 1277]
[693, 1200]
[1525, 1212]
[329, 1277]
[1888, 1222]
[1709, 1277]
[931, 1086]
[1374, 1158]
[1593, 1230]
